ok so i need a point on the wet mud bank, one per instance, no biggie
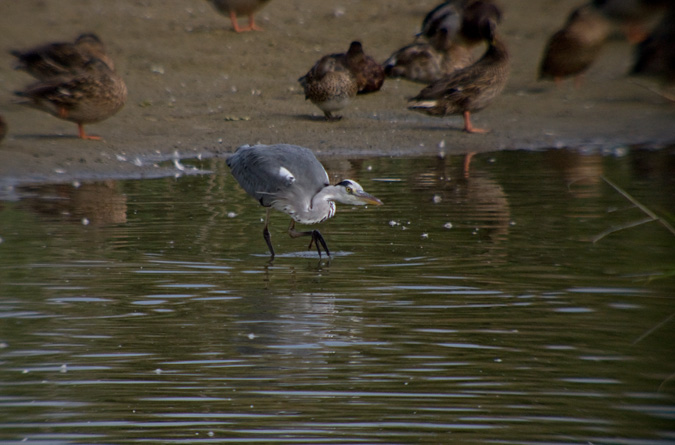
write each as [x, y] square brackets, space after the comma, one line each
[197, 89]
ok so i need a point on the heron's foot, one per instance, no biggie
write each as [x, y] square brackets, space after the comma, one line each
[319, 242]
[317, 238]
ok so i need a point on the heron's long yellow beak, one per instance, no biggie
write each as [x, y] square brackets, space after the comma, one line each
[367, 198]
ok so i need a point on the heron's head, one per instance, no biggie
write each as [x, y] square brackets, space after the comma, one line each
[351, 192]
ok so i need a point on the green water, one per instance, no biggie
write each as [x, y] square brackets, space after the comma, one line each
[470, 308]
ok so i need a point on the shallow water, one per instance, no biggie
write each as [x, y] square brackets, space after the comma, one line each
[470, 308]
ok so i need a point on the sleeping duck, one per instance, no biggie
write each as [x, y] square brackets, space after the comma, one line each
[571, 50]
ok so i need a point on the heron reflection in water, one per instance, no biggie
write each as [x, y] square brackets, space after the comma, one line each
[290, 179]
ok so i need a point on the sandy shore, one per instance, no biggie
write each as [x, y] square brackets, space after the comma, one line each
[198, 88]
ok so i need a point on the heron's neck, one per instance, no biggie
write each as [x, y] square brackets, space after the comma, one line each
[321, 207]
[327, 194]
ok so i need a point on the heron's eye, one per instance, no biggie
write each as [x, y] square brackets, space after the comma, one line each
[349, 190]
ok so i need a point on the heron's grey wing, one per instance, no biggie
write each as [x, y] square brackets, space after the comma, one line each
[309, 177]
[284, 172]
[255, 173]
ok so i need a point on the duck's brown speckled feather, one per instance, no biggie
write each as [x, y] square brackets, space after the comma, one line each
[469, 89]
[329, 84]
[421, 62]
[336, 78]
[369, 74]
[93, 95]
[62, 58]
[572, 50]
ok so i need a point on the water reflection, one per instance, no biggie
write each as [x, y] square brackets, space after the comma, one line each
[506, 325]
[98, 203]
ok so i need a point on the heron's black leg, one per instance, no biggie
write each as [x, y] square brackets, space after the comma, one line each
[266, 234]
[317, 238]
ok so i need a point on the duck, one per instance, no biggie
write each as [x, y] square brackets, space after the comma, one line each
[573, 49]
[442, 23]
[92, 95]
[369, 74]
[655, 56]
[452, 30]
[62, 58]
[331, 83]
[418, 62]
[421, 62]
[459, 22]
[236, 8]
[470, 89]
[634, 17]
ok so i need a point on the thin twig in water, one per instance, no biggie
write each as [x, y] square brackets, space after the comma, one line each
[670, 377]
[611, 230]
[646, 334]
[637, 204]
[663, 94]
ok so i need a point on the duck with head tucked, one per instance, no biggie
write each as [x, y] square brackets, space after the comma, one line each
[336, 78]
[369, 74]
[62, 58]
[470, 89]
[571, 50]
[236, 8]
[92, 95]
[418, 62]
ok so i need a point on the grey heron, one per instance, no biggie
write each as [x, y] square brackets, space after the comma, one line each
[290, 179]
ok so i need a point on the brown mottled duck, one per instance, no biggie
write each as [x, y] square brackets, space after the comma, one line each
[61, 58]
[571, 50]
[470, 89]
[93, 95]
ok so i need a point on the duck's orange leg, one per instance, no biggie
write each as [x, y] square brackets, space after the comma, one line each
[467, 163]
[635, 33]
[470, 128]
[83, 135]
[251, 24]
[235, 24]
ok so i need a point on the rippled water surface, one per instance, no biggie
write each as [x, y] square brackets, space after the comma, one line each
[470, 308]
